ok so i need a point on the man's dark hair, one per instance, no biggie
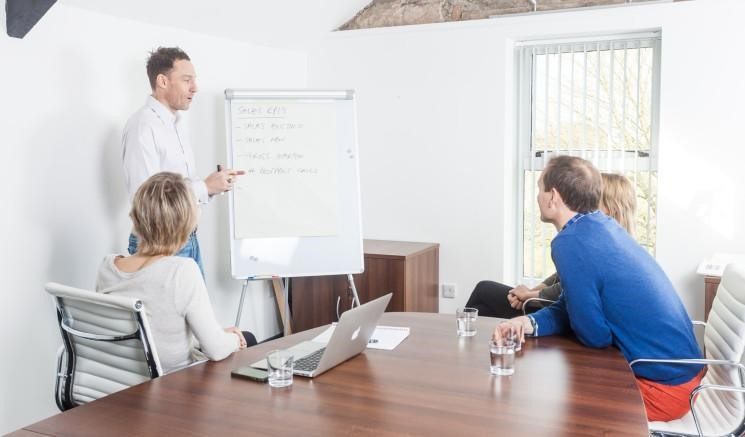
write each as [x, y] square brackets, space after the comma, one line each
[161, 62]
[578, 182]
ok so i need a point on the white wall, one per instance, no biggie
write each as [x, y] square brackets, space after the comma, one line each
[67, 89]
[436, 129]
[431, 118]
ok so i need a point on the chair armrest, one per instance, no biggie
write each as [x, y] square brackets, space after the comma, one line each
[535, 299]
[689, 361]
[694, 393]
[699, 323]
[694, 396]
[740, 366]
[717, 387]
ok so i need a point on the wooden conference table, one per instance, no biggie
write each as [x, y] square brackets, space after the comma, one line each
[434, 383]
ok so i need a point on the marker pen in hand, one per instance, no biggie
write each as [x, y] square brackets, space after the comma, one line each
[219, 168]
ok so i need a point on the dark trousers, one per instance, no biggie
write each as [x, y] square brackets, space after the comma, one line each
[490, 298]
[250, 338]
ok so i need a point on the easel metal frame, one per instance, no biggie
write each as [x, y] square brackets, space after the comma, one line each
[281, 297]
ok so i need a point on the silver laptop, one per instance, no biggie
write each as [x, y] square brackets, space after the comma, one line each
[349, 338]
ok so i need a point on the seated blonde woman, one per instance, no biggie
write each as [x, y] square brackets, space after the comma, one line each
[172, 289]
[618, 200]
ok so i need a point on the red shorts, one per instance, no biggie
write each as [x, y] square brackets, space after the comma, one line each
[667, 402]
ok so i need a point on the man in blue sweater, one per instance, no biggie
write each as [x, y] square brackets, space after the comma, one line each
[615, 293]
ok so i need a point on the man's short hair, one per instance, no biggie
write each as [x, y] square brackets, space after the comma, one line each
[161, 62]
[164, 214]
[578, 182]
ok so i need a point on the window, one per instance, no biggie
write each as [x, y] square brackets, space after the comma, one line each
[595, 98]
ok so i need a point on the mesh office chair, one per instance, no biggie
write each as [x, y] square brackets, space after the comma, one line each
[718, 403]
[107, 346]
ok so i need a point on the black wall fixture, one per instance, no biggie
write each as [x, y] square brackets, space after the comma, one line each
[22, 15]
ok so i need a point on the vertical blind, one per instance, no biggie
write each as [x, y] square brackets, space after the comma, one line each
[593, 98]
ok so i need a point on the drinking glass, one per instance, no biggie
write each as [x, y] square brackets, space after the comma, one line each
[502, 354]
[518, 343]
[279, 365]
[465, 319]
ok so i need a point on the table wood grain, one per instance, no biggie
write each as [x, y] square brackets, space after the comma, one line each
[434, 383]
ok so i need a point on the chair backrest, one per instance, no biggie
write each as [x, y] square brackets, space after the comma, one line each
[107, 345]
[722, 412]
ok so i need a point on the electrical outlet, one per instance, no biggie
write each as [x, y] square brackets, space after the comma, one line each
[448, 291]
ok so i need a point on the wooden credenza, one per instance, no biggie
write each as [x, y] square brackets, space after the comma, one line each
[711, 283]
[407, 269]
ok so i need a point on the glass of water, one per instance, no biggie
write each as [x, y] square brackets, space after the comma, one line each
[465, 319]
[279, 365]
[518, 343]
[502, 355]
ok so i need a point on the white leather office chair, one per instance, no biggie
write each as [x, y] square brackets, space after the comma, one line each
[107, 346]
[718, 403]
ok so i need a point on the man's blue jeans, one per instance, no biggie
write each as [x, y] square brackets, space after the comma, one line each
[190, 250]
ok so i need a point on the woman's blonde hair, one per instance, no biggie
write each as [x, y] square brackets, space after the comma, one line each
[618, 200]
[163, 213]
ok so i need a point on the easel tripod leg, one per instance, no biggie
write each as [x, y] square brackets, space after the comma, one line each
[355, 298]
[279, 295]
[240, 304]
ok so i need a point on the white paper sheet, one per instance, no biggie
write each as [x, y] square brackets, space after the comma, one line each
[289, 155]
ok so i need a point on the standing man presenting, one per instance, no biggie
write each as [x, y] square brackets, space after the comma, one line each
[155, 140]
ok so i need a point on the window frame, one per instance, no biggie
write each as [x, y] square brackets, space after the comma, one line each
[528, 158]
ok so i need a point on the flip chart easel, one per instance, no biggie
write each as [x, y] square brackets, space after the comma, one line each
[296, 212]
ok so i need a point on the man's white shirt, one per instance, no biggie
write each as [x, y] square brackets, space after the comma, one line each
[154, 140]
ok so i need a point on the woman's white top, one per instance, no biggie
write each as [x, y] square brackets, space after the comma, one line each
[177, 306]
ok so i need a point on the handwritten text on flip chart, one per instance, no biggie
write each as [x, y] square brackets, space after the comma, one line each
[288, 152]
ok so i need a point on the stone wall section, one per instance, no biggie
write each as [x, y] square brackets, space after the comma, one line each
[388, 13]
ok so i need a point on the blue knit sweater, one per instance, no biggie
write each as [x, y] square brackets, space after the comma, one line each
[615, 293]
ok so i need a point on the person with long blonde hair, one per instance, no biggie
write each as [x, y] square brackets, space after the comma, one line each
[618, 200]
[164, 214]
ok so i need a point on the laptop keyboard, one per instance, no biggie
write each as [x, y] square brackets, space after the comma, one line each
[310, 362]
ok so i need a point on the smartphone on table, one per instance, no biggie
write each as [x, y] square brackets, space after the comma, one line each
[258, 375]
